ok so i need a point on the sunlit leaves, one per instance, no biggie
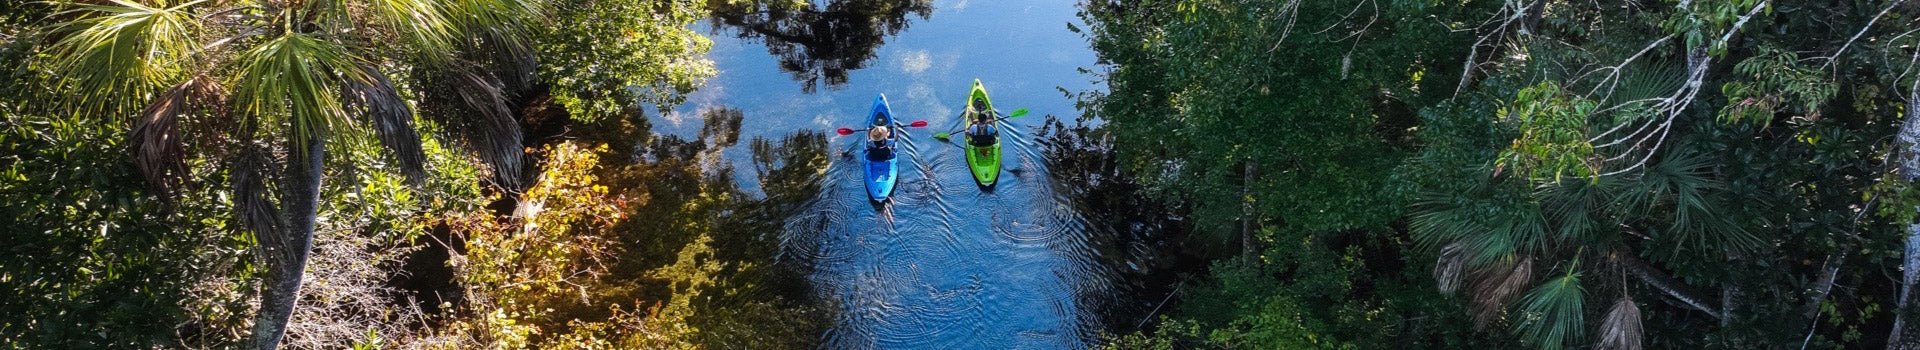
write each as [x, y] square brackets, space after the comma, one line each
[1553, 134]
[116, 55]
[422, 24]
[1777, 82]
[520, 269]
[1704, 23]
[297, 77]
[615, 54]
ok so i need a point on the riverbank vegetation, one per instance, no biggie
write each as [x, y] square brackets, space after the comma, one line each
[1546, 174]
[392, 174]
[1274, 173]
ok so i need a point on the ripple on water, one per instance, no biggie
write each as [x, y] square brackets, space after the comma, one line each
[947, 265]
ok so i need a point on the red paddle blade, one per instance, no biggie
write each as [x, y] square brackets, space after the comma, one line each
[845, 131]
[918, 123]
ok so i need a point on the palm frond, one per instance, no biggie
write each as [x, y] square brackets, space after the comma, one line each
[422, 25]
[160, 151]
[1553, 314]
[1492, 224]
[392, 119]
[330, 16]
[1639, 83]
[113, 57]
[499, 136]
[507, 16]
[1681, 184]
[298, 77]
[1493, 287]
[497, 31]
[252, 200]
[1440, 219]
[1577, 208]
[1621, 329]
[1451, 268]
[505, 23]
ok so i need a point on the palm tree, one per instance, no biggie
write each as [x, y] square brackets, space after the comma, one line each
[1496, 234]
[282, 77]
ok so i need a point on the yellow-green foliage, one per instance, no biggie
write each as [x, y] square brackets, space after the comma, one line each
[517, 269]
[568, 271]
[1552, 141]
[618, 53]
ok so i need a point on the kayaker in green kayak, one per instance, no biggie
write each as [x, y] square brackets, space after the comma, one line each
[982, 131]
[983, 137]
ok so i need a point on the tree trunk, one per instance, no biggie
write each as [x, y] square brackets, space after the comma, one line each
[286, 250]
[1247, 244]
[1909, 157]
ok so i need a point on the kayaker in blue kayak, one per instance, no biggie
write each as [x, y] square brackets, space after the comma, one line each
[882, 147]
[882, 166]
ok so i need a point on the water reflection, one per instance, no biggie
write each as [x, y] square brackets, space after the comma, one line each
[733, 288]
[1142, 241]
[816, 44]
[948, 266]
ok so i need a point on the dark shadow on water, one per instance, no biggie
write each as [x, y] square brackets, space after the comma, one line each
[1143, 241]
[818, 44]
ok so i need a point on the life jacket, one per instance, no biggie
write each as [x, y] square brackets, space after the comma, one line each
[880, 150]
[982, 134]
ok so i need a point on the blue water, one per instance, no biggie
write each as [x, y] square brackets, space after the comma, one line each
[946, 265]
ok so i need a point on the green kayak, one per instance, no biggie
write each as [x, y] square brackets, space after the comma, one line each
[983, 150]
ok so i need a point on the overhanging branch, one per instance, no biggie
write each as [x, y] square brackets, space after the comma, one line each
[1675, 289]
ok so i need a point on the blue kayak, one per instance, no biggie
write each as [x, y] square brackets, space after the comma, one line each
[882, 160]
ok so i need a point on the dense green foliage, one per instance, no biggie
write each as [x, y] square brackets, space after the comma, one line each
[153, 240]
[1718, 170]
[1372, 174]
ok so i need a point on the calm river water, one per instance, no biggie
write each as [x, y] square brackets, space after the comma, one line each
[947, 265]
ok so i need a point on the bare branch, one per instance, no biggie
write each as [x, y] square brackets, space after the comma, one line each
[1728, 36]
[1612, 79]
[1675, 289]
[1292, 13]
[1835, 57]
[1670, 108]
[1513, 11]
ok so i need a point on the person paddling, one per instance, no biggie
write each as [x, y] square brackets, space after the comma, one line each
[981, 131]
[880, 148]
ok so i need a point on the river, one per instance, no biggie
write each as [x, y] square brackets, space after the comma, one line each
[947, 265]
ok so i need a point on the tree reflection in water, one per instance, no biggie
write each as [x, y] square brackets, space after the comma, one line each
[815, 43]
[699, 243]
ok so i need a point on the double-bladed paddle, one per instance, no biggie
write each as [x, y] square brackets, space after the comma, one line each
[915, 124]
[1016, 114]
